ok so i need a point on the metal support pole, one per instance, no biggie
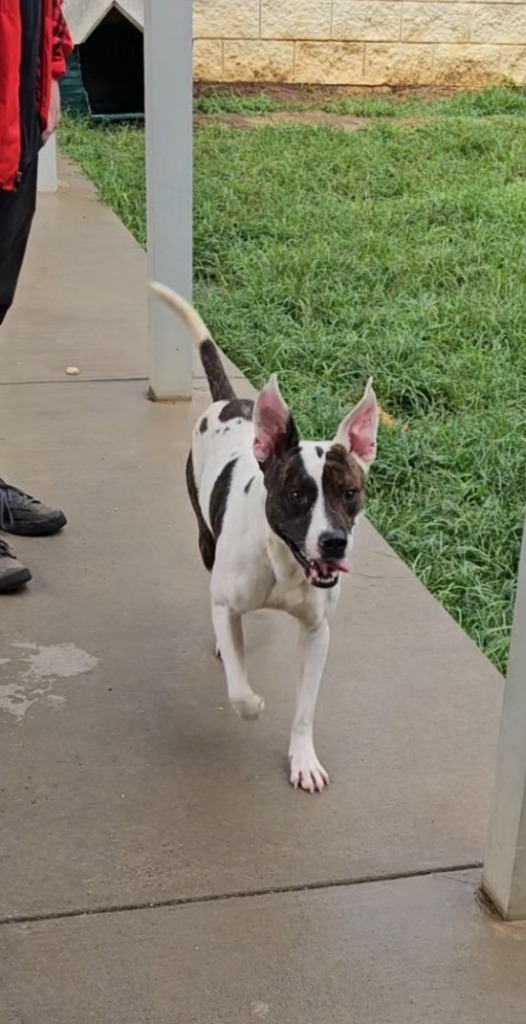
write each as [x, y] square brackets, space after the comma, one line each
[47, 166]
[168, 83]
[504, 878]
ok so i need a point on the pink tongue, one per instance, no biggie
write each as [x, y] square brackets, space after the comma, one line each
[341, 564]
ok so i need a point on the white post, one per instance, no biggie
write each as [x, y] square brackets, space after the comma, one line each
[504, 878]
[168, 82]
[47, 166]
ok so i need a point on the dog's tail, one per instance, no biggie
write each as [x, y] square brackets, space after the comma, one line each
[218, 382]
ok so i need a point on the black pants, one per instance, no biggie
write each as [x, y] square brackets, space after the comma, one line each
[16, 214]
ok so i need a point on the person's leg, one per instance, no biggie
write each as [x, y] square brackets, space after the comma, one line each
[16, 216]
[19, 512]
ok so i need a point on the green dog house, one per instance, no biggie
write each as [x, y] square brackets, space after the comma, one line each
[105, 76]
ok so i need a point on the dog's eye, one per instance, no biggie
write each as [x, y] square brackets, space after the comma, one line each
[350, 494]
[297, 498]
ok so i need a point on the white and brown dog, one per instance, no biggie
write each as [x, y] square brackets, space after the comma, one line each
[276, 519]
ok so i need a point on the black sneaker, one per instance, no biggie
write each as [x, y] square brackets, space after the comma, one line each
[25, 516]
[12, 573]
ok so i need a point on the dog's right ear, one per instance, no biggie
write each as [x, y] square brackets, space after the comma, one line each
[274, 427]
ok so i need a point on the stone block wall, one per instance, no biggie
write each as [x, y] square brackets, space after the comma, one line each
[360, 42]
[344, 42]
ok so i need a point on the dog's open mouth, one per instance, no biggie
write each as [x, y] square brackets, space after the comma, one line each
[318, 572]
[325, 574]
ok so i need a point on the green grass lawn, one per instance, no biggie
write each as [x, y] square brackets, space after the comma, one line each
[398, 251]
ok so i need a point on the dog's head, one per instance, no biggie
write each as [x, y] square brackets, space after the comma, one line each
[315, 492]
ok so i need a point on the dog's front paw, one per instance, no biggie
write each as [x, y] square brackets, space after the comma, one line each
[306, 772]
[249, 707]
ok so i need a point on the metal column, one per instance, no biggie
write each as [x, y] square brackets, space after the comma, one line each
[504, 878]
[168, 80]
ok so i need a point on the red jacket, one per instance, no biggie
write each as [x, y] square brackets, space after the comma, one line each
[56, 45]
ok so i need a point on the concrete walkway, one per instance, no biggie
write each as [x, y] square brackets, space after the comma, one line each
[155, 865]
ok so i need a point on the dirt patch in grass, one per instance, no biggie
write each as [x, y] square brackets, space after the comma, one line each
[316, 95]
[377, 103]
[313, 118]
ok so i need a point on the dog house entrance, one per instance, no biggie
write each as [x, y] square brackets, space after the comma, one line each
[112, 68]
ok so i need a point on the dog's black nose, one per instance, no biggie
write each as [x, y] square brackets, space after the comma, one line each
[333, 544]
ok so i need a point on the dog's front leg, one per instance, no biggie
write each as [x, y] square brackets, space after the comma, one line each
[229, 635]
[305, 769]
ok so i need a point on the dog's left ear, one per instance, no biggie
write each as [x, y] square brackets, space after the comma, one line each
[274, 427]
[357, 432]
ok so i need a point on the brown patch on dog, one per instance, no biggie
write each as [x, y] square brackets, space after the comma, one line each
[343, 483]
[237, 408]
[291, 494]
[207, 545]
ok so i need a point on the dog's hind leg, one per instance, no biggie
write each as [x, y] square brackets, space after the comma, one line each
[229, 635]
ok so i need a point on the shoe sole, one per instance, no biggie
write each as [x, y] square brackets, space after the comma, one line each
[45, 528]
[15, 580]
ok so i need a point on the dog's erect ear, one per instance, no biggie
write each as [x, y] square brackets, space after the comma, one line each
[274, 427]
[357, 432]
